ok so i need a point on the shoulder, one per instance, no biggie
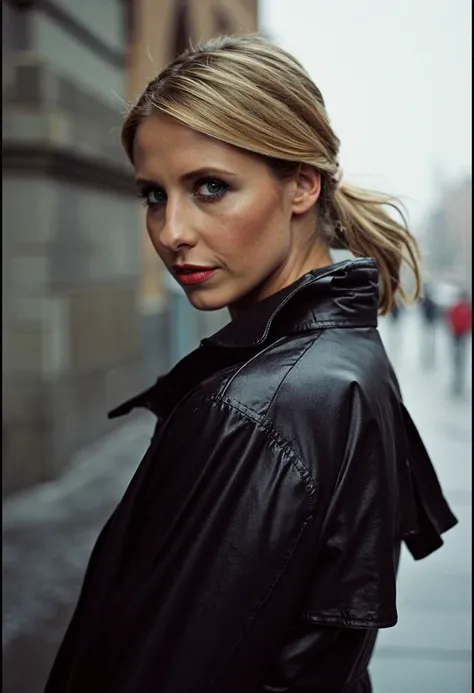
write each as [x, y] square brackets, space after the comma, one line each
[221, 438]
[320, 391]
[308, 371]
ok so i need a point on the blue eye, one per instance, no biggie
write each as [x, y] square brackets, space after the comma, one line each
[211, 188]
[152, 197]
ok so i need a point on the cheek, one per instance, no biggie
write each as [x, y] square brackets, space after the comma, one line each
[254, 224]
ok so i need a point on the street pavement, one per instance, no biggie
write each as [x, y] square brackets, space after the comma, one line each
[49, 531]
[429, 650]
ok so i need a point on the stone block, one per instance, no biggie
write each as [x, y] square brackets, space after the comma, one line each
[33, 82]
[56, 337]
[36, 338]
[96, 237]
[28, 211]
[44, 424]
[71, 58]
[25, 127]
[26, 455]
[30, 274]
[124, 380]
[103, 327]
[24, 402]
[80, 403]
[23, 349]
[43, 106]
[155, 343]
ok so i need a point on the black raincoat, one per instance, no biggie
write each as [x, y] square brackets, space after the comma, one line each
[257, 546]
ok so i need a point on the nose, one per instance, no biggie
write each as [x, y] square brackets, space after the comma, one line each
[177, 230]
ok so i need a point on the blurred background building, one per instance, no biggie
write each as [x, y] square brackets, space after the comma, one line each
[70, 257]
[87, 314]
[446, 235]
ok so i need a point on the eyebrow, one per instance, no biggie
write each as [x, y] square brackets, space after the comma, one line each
[190, 175]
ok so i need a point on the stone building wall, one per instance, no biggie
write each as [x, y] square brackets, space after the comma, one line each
[71, 343]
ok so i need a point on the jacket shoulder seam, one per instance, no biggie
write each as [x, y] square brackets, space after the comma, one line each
[283, 443]
[244, 365]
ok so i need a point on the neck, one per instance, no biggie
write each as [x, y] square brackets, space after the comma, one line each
[318, 257]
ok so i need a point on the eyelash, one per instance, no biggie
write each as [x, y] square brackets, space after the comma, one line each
[144, 193]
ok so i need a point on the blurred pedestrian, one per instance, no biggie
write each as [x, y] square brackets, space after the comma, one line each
[460, 325]
[256, 548]
[395, 312]
[394, 336]
[429, 312]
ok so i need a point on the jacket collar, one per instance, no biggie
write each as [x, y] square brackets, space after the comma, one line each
[340, 295]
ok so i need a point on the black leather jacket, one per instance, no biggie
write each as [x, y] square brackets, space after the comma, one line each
[257, 545]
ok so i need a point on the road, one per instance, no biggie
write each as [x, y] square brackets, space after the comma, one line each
[48, 533]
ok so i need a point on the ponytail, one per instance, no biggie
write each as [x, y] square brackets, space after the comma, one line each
[362, 224]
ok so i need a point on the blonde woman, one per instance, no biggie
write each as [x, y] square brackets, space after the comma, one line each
[257, 546]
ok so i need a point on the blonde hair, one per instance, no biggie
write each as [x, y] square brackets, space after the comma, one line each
[247, 92]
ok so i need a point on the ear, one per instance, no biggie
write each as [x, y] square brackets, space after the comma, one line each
[307, 188]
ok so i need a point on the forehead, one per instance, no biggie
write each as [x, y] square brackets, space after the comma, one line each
[161, 139]
[163, 147]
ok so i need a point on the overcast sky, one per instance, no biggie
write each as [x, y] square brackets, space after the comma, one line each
[396, 79]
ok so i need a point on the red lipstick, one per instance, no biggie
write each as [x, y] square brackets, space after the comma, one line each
[192, 274]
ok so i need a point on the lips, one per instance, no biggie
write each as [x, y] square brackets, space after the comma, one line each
[192, 274]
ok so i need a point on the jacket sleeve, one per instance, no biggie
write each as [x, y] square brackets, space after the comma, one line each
[426, 511]
[357, 453]
[219, 547]
[377, 487]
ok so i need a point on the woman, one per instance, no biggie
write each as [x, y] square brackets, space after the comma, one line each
[257, 546]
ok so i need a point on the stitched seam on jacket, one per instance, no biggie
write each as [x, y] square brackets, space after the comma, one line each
[317, 336]
[322, 324]
[282, 440]
[251, 360]
[257, 609]
[265, 423]
[317, 325]
[347, 622]
[283, 443]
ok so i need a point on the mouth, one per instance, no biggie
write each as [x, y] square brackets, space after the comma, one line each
[192, 274]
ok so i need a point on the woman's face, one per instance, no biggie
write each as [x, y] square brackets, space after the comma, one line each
[217, 217]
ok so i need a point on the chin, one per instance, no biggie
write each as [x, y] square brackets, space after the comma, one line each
[206, 303]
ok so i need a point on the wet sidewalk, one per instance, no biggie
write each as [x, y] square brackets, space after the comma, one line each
[429, 651]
